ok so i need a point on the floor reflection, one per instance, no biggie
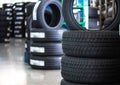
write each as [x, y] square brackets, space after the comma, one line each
[15, 72]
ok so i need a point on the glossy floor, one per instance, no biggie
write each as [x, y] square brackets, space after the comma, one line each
[13, 71]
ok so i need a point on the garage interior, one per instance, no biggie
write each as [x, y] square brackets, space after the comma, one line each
[19, 39]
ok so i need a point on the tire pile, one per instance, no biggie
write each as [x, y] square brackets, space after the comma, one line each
[93, 18]
[45, 35]
[4, 27]
[19, 20]
[91, 56]
[28, 11]
[8, 7]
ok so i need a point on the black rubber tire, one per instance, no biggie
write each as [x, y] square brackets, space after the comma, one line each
[56, 8]
[4, 24]
[29, 8]
[19, 23]
[4, 40]
[93, 23]
[4, 30]
[19, 31]
[19, 35]
[2, 12]
[7, 5]
[48, 18]
[93, 12]
[19, 9]
[50, 63]
[16, 14]
[74, 25]
[4, 35]
[27, 45]
[64, 82]
[3, 18]
[91, 71]
[93, 44]
[46, 35]
[19, 27]
[49, 49]
[108, 21]
[19, 18]
[19, 4]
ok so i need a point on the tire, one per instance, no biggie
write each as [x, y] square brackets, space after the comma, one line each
[27, 45]
[64, 82]
[19, 9]
[48, 18]
[8, 5]
[93, 12]
[85, 70]
[3, 18]
[74, 25]
[108, 21]
[4, 30]
[4, 35]
[4, 24]
[19, 27]
[2, 12]
[19, 18]
[46, 49]
[19, 4]
[19, 14]
[41, 35]
[92, 44]
[93, 23]
[18, 35]
[47, 63]
[4, 40]
[19, 31]
[56, 8]
[29, 8]
[19, 23]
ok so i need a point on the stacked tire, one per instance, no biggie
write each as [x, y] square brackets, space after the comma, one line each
[28, 12]
[4, 27]
[8, 7]
[19, 20]
[91, 56]
[46, 41]
[93, 18]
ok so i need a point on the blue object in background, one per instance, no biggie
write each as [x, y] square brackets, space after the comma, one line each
[26, 57]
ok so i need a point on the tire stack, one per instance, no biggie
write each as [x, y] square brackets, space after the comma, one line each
[28, 11]
[19, 20]
[4, 27]
[8, 7]
[91, 56]
[93, 18]
[46, 41]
